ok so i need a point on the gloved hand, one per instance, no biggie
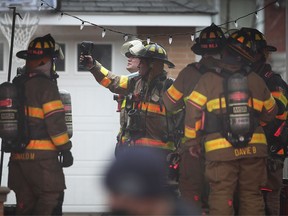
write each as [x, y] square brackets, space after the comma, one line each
[86, 61]
[66, 158]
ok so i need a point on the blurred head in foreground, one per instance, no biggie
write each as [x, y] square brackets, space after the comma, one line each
[138, 185]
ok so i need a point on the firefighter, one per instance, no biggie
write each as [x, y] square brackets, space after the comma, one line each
[276, 131]
[227, 107]
[149, 124]
[209, 45]
[35, 174]
[132, 67]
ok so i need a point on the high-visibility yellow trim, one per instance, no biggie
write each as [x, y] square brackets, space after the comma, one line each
[198, 98]
[38, 45]
[282, 117]
[154, 108]
[190, 132]
[153, 142]
[35, 112]
[221, 143]
[123, 104]
[41, 145]
[257, 104]
[174, 93]
[105, 82]
[52, 105]
[104, 71]
[198, 125]
[280, 96]
[123, 82]
[60, 139]
[215, 104]
[270, 103]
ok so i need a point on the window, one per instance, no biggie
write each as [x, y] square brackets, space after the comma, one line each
[60, 64]
[101, 52]
[1, 56]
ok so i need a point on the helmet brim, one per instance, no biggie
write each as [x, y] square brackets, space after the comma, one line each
[271, 48]
[170, 64]
[25, 55]
[245, 56]
[22, 54]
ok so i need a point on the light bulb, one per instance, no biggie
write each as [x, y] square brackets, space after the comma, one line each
[103, 33]
[40, 6]
[148, 40]
[82, 25]
[61, 15]
[192, 37]
[170, 40]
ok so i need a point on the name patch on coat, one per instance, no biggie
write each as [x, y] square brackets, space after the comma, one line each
[250, 150]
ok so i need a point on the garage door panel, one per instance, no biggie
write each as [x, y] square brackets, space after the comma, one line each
[92, 101]
[93, 145]
[87, 190]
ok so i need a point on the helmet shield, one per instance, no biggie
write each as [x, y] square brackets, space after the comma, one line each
[132, 48]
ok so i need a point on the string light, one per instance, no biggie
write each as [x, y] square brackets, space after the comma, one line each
[61, 15]
[192, 37]
[170, 39]
[148, 40]
[40, 6]
[82, 25]
[103, 33]
[275, 2]
[256, 15]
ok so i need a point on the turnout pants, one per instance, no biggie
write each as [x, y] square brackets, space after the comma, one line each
[245, 176]
[39, 186]
[192, 183]
[275, 184]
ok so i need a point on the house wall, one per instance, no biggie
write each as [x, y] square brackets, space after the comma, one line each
[178, 51]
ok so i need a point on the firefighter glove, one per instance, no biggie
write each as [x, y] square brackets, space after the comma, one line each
[66, 158]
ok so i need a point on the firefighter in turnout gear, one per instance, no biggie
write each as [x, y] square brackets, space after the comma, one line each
[148, 122]
[276, 131]
[226, 109]
[132, 67]
[209, 45]
[36, 174]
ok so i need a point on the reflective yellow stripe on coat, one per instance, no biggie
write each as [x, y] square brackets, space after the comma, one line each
[222, 143]
[52, 106]
[105, 81]
[153, 108]
[153, 142]
[41, 145]
[174, 94]
[60, 139]
[191, 132]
